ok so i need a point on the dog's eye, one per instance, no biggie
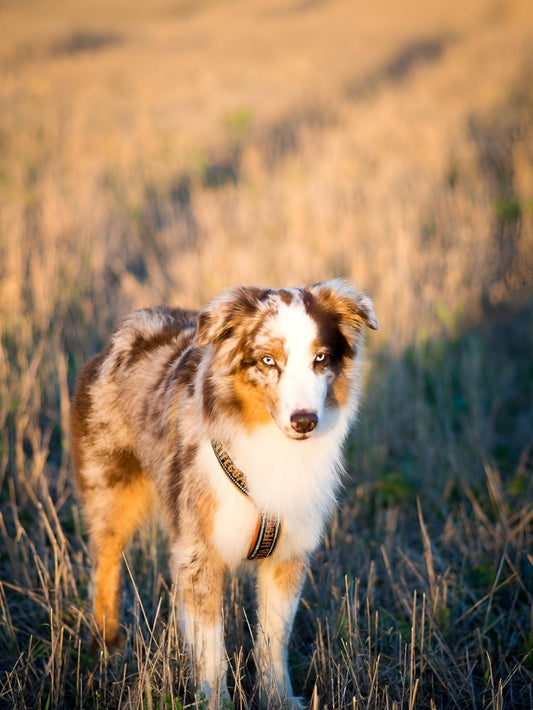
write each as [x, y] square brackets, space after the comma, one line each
[268, 360]
[321, 358]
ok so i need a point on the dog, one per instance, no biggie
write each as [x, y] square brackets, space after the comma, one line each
[233, 420]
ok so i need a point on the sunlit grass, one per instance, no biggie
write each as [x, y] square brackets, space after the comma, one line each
[159, 152]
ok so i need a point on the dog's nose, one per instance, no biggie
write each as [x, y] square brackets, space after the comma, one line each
[303, 422]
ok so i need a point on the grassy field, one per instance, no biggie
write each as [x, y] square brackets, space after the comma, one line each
[160, 151]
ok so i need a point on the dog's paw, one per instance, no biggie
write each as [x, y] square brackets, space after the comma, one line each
[114, 646]
[215, 696]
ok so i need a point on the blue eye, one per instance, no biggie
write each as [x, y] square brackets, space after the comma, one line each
[321, 357]
[269, 361]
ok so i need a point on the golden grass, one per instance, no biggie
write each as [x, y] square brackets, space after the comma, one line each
[161, 151]
[91, 134]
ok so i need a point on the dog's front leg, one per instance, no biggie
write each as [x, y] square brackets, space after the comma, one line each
[199, 582]
[279, 588]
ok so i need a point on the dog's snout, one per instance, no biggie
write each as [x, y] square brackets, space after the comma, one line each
[303, 422]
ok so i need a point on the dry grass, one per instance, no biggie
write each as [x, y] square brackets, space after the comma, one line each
[160, 151]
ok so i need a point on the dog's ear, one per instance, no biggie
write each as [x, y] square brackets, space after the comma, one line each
[359, 307]
[348, 307]
[228, 312]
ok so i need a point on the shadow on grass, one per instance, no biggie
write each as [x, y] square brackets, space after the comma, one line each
[434, 541]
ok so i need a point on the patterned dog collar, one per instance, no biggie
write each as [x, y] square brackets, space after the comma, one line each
[268, 526]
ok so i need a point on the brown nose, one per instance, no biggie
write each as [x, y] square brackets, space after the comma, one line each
[303, 422]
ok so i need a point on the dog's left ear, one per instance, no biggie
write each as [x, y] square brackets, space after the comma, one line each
[354, 309]
[225, 314]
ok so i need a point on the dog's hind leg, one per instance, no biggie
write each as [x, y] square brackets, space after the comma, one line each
[113, 515]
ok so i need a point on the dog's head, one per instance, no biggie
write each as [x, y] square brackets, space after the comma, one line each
[287, 355]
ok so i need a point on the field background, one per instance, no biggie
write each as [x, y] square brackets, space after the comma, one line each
[160, 151]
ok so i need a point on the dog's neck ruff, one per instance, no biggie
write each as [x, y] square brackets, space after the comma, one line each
[268, 526]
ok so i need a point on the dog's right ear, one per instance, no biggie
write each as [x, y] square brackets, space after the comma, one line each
[222, 316]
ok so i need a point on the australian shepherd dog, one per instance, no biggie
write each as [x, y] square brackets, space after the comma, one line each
[232, 420]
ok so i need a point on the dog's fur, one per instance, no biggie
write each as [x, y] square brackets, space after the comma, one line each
[274, 375]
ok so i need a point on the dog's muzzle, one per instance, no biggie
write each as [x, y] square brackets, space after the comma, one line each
[303, 422]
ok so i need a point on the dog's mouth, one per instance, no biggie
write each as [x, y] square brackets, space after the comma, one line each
[298, 436]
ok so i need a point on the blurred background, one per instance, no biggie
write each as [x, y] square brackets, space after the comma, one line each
[159, 151]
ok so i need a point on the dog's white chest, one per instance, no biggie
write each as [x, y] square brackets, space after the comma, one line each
[298, 484]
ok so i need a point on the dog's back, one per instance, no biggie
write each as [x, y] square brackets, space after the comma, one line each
[121, 391]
